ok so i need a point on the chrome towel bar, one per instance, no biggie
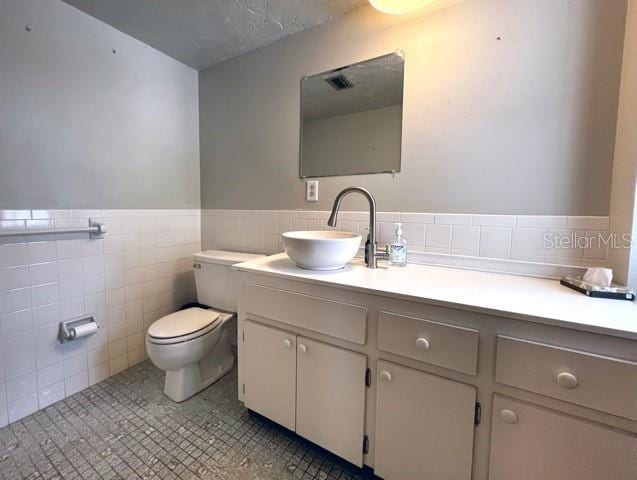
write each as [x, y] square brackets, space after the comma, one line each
[95, 230]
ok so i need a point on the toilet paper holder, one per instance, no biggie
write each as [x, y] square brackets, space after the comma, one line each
[70, 329]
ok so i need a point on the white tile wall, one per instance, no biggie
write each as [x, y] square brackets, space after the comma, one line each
[138, 272]
[510, 243]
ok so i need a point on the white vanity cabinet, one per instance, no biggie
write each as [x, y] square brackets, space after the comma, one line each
[557, 397]
[424, 425]
[315, 389]
[533, 443]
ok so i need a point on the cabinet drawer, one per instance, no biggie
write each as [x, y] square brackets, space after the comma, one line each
[595, 381]
[449, 346]
[329, 317]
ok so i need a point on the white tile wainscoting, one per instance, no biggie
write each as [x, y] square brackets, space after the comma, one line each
[501, 243]
[138, 272]
[141, 270]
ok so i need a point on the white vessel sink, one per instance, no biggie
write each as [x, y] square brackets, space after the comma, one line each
[321, 250]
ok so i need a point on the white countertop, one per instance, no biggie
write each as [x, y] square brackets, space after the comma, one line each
[526, 298]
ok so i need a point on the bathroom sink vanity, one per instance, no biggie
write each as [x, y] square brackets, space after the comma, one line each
[432, 373]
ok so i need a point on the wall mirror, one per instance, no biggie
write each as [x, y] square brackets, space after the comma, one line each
[351, 119]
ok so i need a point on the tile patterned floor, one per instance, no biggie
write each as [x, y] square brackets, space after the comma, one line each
[126, 428]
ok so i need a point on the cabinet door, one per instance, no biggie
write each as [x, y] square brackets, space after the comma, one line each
[270, 372]
[531, 443]
[424, 426]
[330, 405]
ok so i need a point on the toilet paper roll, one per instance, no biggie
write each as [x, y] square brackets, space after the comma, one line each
[83, 330]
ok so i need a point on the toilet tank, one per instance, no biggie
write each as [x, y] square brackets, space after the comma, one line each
[217, 284]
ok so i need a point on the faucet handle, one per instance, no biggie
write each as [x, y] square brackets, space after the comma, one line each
[382, 253]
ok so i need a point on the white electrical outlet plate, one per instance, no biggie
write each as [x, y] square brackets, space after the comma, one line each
[311, 191]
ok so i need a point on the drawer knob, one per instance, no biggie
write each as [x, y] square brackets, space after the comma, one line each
[567, 380]
[385, 376]
[422, 343]
[287, 343]
[509, 416]
[302, 348]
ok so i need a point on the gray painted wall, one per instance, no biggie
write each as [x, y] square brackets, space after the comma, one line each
[523, 124]
[83, 127]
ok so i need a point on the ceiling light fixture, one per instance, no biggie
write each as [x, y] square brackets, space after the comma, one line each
[399, 7]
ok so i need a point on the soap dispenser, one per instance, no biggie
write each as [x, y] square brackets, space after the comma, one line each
[398, 248]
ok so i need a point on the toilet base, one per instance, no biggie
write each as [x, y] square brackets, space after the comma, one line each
[182, 384]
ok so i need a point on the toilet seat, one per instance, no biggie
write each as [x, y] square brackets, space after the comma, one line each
[183, 326]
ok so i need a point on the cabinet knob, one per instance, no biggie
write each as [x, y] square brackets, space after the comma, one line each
[385, 376]
[422, 343]
[509, 416]
[287, 343]
[302, 348]
[567, 380]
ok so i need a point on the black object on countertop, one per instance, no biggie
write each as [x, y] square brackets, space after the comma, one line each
[615, 292]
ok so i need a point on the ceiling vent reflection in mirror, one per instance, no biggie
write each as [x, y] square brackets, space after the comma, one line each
[339, 82]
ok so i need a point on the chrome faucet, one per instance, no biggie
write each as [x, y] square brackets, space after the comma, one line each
[371, 247]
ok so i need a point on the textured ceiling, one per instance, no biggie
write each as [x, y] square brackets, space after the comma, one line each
[201, 33]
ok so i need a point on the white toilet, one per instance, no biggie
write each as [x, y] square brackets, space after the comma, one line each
[193, 345]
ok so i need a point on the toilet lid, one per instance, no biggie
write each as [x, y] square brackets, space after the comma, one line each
[183, 322]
